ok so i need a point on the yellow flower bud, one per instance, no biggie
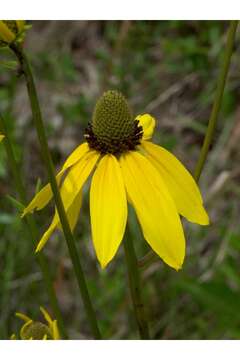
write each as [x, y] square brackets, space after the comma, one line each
[11, 30]
[36, 330]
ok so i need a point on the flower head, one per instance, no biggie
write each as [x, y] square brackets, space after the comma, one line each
[11, 30]
[126, 166]
[36, 330]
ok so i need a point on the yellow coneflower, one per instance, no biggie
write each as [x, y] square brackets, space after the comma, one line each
[127, 166]
[36, 330]
[10, 31]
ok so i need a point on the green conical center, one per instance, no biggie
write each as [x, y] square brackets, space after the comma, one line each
[112, 117]
[36, 330]
[113, 128]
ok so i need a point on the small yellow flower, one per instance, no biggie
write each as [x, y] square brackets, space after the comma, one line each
[127, 166]
[36, 330]
[11, 30]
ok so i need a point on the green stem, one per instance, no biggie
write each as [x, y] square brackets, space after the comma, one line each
[148, 258]
[218, 100]
[37, 118]
[135, 287]
[32, 228]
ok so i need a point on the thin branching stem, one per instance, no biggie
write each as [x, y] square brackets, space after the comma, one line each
[32, 227]
[39, 125]
[218, 100]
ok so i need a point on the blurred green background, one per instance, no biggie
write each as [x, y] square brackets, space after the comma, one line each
[166, 68]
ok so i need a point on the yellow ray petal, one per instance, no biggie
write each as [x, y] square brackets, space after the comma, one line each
[71, 190]
[148, 124]
[46, 315]
[72, 215]
[180, 183]
[71, 193]
[55, 332]
[76, 155]
[1, 137]
[5, 33]
[23, 329]
[20, 25]
[42, 198]
[155, 208]
[73, 211]
[47, 234]
[108, 206]
[23, 317]
[77, 176]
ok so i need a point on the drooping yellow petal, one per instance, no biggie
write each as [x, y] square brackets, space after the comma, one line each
[72, 216]
[46, 315]
[73, 211]
[108, 207]
[23, 329]
[42, 198]
[180, 183]
[47, 234]
[76, 155]
[20, 25]
[23, 317]
[51, 323]
[5, 33]
[155, 208]
[1, 137]
[71, 190]
[71, 193]
[55, 332]
[148, 124]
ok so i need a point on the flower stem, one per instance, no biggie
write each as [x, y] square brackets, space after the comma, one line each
[32, 228]
[135, 286]
[38, 122]
[150, 257]
[218, 99]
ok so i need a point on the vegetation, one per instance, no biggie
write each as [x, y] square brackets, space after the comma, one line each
[166, 68]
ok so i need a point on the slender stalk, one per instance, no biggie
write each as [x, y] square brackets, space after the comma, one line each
[150, 257]
[38, 122]
[116, 53]
[135, 287]
[32, 228]
[218, 99]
